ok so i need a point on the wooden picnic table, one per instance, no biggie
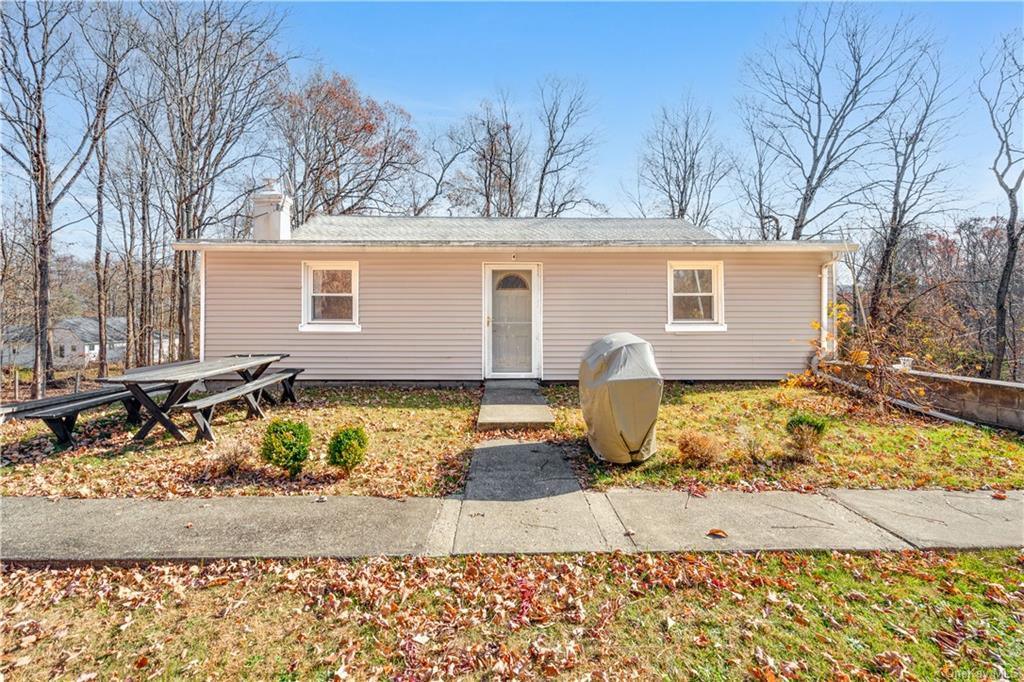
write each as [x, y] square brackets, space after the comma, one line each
[181, 379]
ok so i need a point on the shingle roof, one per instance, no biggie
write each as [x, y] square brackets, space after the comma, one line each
[512, 231]
[86, 329]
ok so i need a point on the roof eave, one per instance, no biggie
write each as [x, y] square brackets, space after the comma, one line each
[333, 245]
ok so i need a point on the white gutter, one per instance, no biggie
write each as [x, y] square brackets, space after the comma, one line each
[734, 247]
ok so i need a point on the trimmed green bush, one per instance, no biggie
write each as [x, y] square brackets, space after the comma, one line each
[347, 447]
[286, 445]
[804, 419]
[805, 432]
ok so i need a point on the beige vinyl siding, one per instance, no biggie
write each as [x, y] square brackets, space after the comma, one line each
[421, 312]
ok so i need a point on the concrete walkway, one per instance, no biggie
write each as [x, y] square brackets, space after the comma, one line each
[513, 404]
[519, 498]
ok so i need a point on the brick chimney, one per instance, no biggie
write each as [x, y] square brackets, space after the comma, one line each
[271, 213]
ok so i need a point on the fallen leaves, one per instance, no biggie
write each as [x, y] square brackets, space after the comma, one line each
[518, 617]
[865, 449]
[420, 440]
[894, 664]
[717, 533]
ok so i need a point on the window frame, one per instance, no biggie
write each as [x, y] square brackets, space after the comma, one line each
[717, 323]
[307, 323]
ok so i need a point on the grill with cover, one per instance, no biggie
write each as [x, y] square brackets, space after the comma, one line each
[620, 391]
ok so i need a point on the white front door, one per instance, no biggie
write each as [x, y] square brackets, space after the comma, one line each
[512, 344]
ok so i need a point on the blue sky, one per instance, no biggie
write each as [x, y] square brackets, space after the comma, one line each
[438, 60]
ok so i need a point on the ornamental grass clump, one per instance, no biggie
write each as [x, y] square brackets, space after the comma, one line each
[286, 445]
[698, 450]
[805, 433]
[347, 447]
[230, 459]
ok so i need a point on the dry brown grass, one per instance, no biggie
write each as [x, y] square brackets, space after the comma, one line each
[804, 441]
[863, 448]
[420, 442]
[698, 449]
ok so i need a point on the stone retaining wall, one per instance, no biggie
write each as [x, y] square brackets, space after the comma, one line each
[985, 401]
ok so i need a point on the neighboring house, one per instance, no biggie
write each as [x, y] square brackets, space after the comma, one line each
[76, 343]
[460, 299]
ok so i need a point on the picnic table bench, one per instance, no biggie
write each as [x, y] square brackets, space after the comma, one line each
[60, 413]
[250, 368]
[201, 409]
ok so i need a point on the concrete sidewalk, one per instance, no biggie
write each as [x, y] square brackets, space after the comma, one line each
[519, 498]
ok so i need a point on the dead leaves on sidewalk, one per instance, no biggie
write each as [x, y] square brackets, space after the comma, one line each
[519, 617]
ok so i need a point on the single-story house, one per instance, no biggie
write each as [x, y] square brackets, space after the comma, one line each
[358, 298]
[76, 342]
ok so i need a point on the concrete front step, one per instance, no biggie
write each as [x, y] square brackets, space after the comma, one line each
[513, 404]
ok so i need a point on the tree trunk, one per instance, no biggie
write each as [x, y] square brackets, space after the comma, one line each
[144, 355]
[800, 221]
[129, 315]
[880, 288]
[42, 365]
[1003, 291]
[38, 388]
[98, 264]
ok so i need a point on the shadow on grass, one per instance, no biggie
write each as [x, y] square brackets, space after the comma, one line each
[273, 481]
[93, 437]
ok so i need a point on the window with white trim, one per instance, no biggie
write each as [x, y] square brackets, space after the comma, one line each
[695, 296]
[330, 296]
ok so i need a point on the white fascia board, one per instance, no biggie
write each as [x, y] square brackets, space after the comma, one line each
[834, 248]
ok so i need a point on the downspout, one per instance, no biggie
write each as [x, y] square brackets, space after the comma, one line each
[202, 306]
[827, 318]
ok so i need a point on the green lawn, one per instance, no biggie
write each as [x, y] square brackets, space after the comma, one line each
[420, 441]
[862, 447]
[836, 616]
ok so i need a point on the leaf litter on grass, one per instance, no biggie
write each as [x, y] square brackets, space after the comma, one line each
[912, 615]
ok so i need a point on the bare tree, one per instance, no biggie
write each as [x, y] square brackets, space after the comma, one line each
[512, 142]
[757, 183]
[911, 188]
[431, 177]
[39, 56]
[683, 164]
[17, 304]
[217, 72]
[564, 107]
[342, 152]
[133, 191]
[495, 180]
[818, 96]
[111, 35]
[504, 173]
[1001, 88]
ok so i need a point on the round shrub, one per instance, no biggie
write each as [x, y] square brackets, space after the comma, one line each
[347, 447]
[286, 445]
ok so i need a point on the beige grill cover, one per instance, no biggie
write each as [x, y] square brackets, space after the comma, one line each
[620, 391]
